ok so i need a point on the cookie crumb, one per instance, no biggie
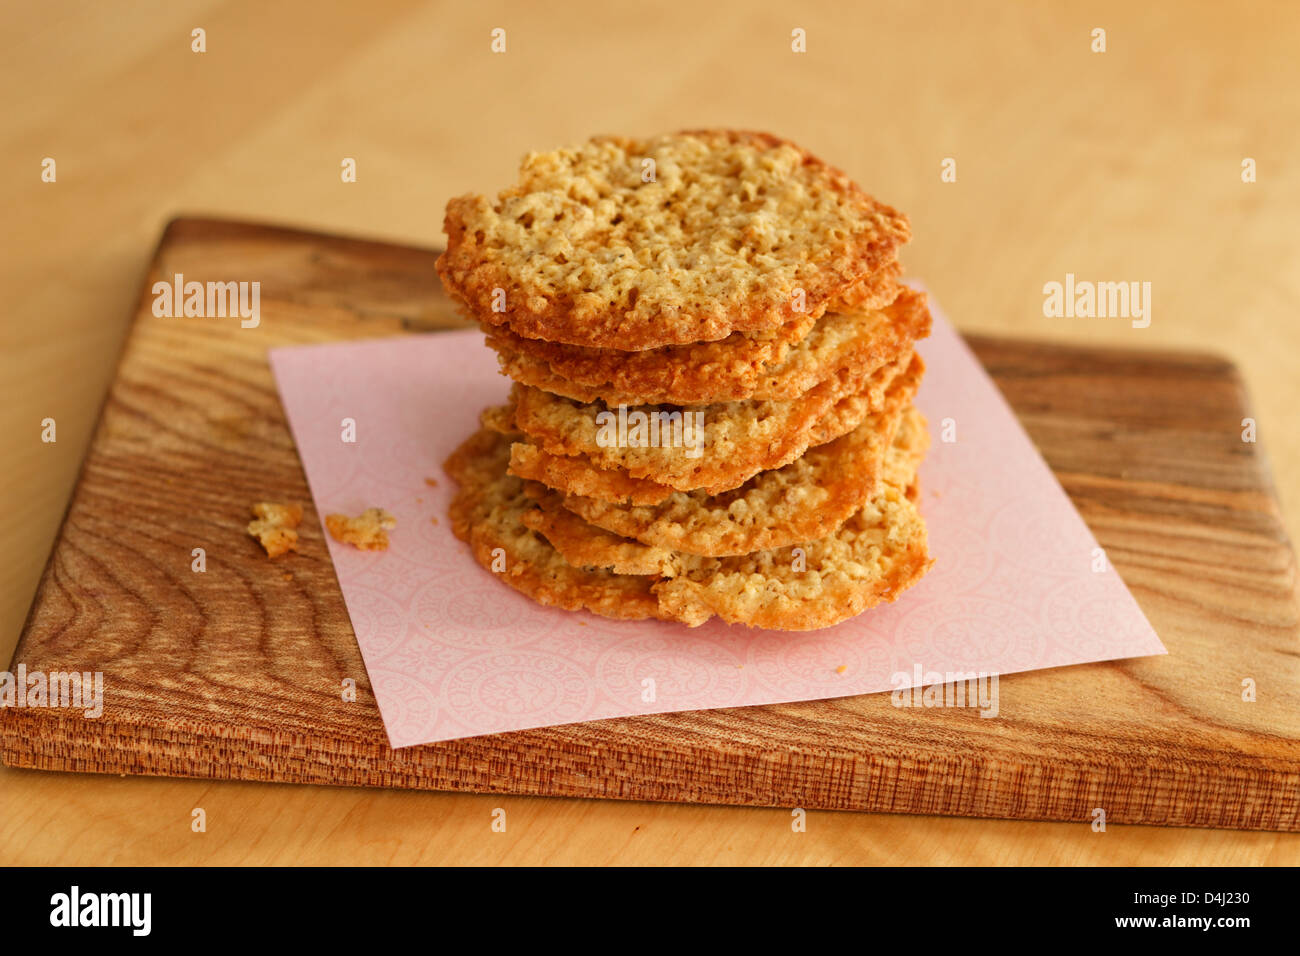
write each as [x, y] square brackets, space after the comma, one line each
[434, 519]
[368, 531]
[431, 482]
[841, 669]
[273, 525]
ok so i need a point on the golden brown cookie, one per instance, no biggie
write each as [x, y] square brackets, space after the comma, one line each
[874, 555]
[636, 244]
[584, 545]
[780, 367]
[486, 513]
[736, 441]
[807, 499]
[576, 475]
[587, 545]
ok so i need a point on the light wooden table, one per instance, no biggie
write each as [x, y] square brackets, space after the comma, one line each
[1122, 165]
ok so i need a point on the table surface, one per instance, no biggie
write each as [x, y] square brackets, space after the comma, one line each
[1123, 165]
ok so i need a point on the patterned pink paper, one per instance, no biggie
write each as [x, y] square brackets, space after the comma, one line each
[452, 652]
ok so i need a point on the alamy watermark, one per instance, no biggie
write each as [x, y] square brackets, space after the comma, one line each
[75, 908]
[640, 429]
[212, 300]
[951, 689]
[1083, 299]
[75, 690]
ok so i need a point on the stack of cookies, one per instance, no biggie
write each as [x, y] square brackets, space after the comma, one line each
[713, 374]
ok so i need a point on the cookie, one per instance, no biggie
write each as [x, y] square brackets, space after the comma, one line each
[878, 553]
[874, 555]
[486, 513]
[576, 475]
[718, 447]
[807, 499]
[585, 544]
[579, 475]
[676, 374]
[779, 367]
[636, 244]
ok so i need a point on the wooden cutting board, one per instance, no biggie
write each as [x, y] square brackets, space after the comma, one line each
[235, 673]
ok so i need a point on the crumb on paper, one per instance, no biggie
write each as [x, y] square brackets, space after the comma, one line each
[368, 531]
[434, 519]
[842, 668]
[273, 525]
[431, 482]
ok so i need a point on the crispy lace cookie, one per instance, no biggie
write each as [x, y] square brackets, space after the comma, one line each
[576, 475]
[738, 439]
[878, 553]
[486, 513]
[635, 244]
[679, 374]
[579, 475]
[807, 499]
[871, 558]
[780, 367]
[571, 472]
[583, 544]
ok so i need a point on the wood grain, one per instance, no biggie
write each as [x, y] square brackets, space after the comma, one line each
[234, 673]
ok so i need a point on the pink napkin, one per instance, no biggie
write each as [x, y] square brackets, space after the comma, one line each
[1019, 583]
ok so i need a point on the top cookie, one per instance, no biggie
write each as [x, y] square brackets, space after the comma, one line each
[636, 244]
